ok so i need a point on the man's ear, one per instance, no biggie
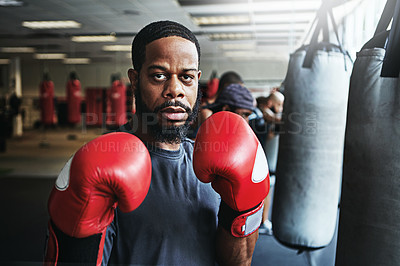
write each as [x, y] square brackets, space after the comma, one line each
[133, 77]
[199, 74]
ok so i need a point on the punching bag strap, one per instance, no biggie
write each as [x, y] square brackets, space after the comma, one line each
[335, 29]
[322, 16]
[325, 28]
[386, 17]
[314, 41]
[391, 61]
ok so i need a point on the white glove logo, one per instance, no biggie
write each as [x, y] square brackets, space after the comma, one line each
[260, 168]
[62, 181]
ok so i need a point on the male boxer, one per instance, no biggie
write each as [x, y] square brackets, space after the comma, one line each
[184, 220]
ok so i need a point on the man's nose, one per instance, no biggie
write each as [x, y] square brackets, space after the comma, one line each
[173, 88]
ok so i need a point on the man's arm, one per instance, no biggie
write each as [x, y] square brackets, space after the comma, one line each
[234, 250]
[239, 173]
[237, 234]
[82, 203]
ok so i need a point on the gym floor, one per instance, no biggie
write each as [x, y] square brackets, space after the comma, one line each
[28, 169]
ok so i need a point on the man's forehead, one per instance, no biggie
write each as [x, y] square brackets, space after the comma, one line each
[165, 68]
[169, 51]
[171, 43]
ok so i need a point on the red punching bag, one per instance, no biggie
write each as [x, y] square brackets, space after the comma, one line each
[118, 103]
[212, 86]
[74, 99]
[46, 101]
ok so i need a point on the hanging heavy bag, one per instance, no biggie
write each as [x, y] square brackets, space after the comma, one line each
[46, 101]
[118, 103]
[74, 99]
[369, 230]
[309, 166]
[212, 86]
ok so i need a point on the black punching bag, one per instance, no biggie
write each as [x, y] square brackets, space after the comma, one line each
[369, 223]
[310, 156]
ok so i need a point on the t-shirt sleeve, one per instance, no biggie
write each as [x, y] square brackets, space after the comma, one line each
[111, 234]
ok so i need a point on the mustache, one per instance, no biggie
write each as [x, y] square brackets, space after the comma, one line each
[173, 103]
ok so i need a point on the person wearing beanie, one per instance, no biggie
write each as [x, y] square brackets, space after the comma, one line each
[235, 98]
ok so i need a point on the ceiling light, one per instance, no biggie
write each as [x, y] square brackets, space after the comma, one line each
[94, 38]
[4, 61]
[117, 48]
[292, 18]
[237, 46]
[216, 20]
[17, 49]
[131, 12]
[55, 24]
[76, 61]
[241, 54]
[11, 3]
[284, 27]
[286, 11]
[230, 36]
[255, 6]
[279, 35]
[278, 31]
[269, 42]
[252, 54]
[49, 56]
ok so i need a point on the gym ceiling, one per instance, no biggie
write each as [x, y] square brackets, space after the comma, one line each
[226, 29]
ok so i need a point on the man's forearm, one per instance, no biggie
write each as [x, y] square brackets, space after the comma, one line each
[232, 250]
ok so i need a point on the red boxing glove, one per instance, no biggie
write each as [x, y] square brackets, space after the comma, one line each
[113, 169]
[228, 154]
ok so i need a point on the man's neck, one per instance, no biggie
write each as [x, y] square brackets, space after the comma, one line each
[167, 146]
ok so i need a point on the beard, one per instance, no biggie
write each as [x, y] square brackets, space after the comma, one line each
[165, 134]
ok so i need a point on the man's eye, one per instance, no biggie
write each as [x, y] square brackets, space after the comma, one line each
[159, 77]
[187, 78]
[246, 114]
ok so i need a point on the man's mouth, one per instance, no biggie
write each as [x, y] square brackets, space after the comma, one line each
[174, 113]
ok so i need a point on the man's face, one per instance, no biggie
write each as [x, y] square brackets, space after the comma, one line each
[243, 112]
[278, 106]
[168, 84]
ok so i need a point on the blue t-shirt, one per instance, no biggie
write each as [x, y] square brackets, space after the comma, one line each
[176, 223]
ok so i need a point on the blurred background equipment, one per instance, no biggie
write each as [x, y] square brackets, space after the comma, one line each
[46, 93]
[74, 99]
[118, 102]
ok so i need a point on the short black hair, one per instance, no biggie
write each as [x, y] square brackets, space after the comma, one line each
[228, 78]
[157, 30]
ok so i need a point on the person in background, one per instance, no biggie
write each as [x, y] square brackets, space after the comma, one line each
[209, 96]
[235, 98]
[257, 123]
[227, 78]
[271, 108]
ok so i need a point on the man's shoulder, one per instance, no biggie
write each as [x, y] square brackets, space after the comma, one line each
[187, 141]
[187, 145]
